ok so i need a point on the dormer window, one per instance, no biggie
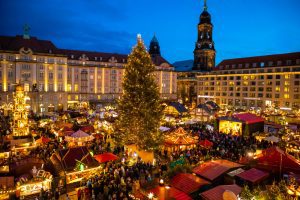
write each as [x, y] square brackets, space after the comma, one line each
[95, 58]
[50, 51]
[288, 62]
[253, 64]
[123, 60]
[72, 56]
[262, 64]
[100, 58]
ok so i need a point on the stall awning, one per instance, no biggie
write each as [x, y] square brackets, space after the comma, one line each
[172, 193]
[105, 157]
[213, 169]
[216, 193]
[249, 118]
[188, 183]
[253, 175]
[275, 159]
[206, 143]
[43, 140]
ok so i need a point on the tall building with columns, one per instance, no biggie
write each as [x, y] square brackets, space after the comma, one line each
[56, 79]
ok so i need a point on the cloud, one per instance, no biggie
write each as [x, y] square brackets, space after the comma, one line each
[85, 25]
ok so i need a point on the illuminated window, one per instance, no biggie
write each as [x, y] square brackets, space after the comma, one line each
[252, 77]
[287, 76]
[76, 97]
[69, 97]
[69, 88]
[76, 87]
[277, 89]
[245, 83]
[269, 82]
[286, 83]
[26, 87]
[286, 96]
[286, 89]
[231, 83]
[245, 77]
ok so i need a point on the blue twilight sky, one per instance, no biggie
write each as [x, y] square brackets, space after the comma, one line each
[241, 27]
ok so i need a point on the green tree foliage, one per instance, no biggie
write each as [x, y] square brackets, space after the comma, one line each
[276, 191]
[140, 109]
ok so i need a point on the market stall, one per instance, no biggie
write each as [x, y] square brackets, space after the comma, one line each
[42, 180]
[74, 164]
[241, 124]
[79, 138]
[179, 139]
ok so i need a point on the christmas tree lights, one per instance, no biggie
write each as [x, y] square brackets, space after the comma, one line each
[140, 109]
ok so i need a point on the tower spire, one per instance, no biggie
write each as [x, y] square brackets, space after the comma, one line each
[26, 30]
[205, 6]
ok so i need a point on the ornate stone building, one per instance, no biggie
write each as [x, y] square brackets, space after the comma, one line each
[56, 79]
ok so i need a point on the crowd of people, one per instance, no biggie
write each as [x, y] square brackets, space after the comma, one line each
[224, 146]
[117, 181]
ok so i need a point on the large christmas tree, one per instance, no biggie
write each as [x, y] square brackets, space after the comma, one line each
[140, 110]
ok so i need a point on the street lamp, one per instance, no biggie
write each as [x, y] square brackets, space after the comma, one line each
[161, 182]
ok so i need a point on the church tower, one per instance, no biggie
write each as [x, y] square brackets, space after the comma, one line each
[154, 47]
[204, 53]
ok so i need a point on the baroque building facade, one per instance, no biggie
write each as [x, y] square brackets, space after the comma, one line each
[58, 79]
